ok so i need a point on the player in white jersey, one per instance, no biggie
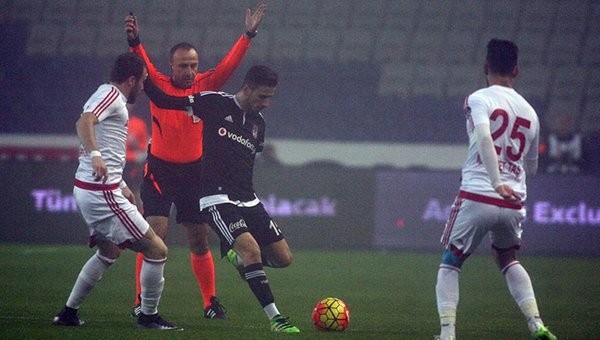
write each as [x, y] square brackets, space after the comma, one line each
[106, 203]
[503, 134]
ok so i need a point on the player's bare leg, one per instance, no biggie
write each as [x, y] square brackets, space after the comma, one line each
[248, 250]
[277, 254]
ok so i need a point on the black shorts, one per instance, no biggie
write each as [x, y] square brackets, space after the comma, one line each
[166, 183]
[229, 221]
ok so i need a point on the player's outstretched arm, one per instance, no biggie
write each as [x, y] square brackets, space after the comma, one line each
[165, 101]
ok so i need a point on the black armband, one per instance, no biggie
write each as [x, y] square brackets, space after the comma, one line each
[251, 35]
[134, 42]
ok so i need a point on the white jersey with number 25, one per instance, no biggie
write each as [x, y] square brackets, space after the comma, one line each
[515, 130]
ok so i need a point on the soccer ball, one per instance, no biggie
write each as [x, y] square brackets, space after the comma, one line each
[331, 314]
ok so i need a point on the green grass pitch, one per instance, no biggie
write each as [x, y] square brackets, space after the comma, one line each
[390, 295]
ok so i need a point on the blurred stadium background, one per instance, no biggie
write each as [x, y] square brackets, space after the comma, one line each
[369, 89]
[368, 126]
[390, 71]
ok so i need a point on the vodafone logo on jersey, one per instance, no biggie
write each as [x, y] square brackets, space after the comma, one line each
[237, 138]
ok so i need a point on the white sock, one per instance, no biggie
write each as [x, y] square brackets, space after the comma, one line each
[271, 310]
[90, 274]
[153, 282]
[447, 294]
[521, 289]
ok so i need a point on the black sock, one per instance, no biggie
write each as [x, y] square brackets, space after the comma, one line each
[257, 280]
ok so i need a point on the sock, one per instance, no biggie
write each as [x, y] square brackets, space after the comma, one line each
[257, 280]
[204, 270]
[271, 310]
[90, 274]
[139, 260]
[521, 289]
[447, 294]
[153, 282]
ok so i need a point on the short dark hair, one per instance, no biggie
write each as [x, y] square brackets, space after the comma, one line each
[260, 75]
[181, 46]
[502, 56]
[127, 65]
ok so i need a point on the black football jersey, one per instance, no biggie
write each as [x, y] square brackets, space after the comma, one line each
[231, 139]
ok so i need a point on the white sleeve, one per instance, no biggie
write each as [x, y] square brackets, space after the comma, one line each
[531, 158]
[478, 109]
[487, 152]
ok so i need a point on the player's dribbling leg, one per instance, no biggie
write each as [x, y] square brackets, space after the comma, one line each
[447, 293]
[88, 277]
[520, 287]
[247, 248]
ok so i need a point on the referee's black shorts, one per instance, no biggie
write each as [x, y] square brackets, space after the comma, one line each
[166, 183]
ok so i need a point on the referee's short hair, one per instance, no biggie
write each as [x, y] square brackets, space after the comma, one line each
[127, 65]
[181, 46]
[260, 75]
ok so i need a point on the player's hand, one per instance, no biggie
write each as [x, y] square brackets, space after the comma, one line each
[508, 193]
[100, 169]
[253, 20]
[131, 27]
[129, 195]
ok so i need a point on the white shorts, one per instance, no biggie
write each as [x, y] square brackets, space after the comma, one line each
[109, 215]
[470, 221]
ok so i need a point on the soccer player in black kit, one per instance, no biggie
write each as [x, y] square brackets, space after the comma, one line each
[234, 131]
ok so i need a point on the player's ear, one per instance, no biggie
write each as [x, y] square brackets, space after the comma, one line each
[131, 81]
[246, 89]
[486, 68]
[515, 71]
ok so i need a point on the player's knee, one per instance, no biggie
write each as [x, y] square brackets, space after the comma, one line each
[159, 252]
[283, 260]
[451, 259]
[504, 256]
[156, 249]
[289, 258]
[108, 255]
